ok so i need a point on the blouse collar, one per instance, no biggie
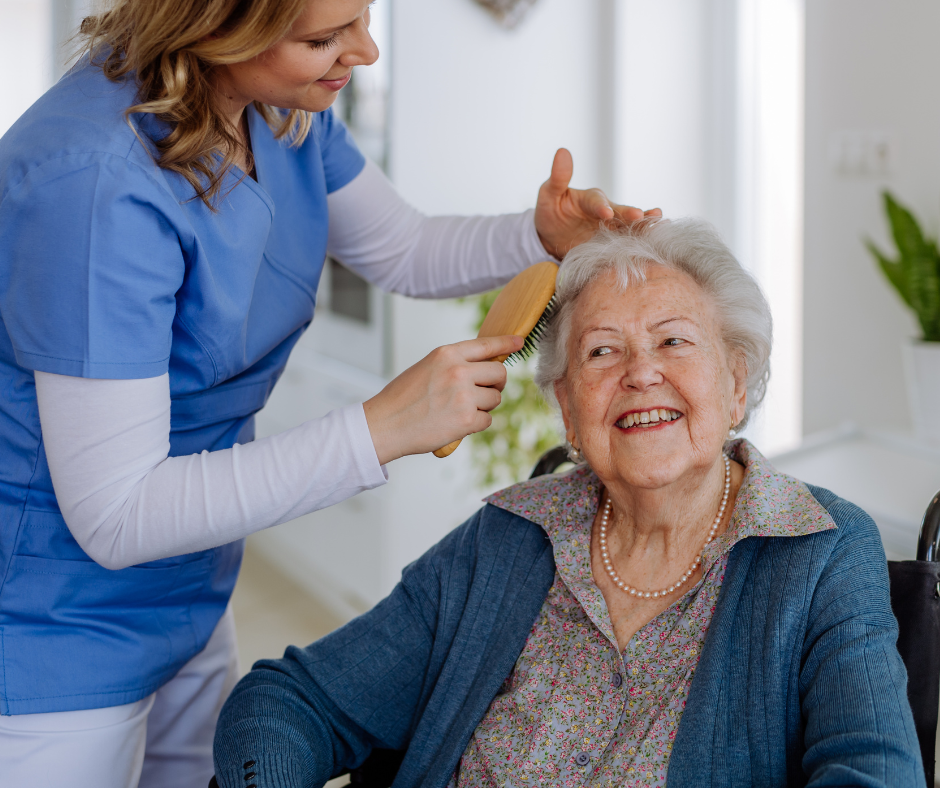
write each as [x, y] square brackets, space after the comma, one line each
[769, 503]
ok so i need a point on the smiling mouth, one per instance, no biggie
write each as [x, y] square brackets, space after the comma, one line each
[337, 83]
[644, 419]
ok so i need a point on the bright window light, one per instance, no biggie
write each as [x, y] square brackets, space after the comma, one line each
[708, 122]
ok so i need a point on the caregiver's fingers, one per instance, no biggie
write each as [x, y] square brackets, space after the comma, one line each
[591, 204]
[487, 399]
[442, 398]
[562, 170]
[629, 214]
[485, 348]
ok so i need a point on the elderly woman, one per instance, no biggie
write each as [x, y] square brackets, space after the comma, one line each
[671, 611]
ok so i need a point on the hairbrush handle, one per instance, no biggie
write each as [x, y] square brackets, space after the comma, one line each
[447, 450]
[516, 311]
[450, 448]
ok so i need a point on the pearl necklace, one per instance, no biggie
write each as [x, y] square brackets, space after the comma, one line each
[605, 556]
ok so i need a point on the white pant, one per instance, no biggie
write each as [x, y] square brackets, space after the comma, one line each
[163, 740]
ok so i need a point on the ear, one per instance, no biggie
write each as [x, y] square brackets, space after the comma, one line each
[739, 398]
[561, 394]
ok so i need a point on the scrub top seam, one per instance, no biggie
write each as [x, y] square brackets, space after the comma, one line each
[88, 280]
[352, 177]
[147, 689]
[9, 561]
[295, 280]
[3, 666]
[138, 139]
[52, 160]
[215, 367]
[207, 580]
[85, 361]
[19, 525]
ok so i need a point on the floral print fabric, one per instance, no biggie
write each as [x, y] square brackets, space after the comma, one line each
[575, 711]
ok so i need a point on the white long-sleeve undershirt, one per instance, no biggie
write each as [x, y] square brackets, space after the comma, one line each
[126, 501]
[107, 441]
[397, 248]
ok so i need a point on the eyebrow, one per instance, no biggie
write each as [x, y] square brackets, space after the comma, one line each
[323, 33]
[606, 329]
[677, 319]
[650, 327]
[330, 30]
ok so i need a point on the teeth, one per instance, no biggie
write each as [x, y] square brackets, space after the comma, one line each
[648, 417]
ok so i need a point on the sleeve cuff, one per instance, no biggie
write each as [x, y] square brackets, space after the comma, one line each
[103, 370]
[367, 461]
[531, 243]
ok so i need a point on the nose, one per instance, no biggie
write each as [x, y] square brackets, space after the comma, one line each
[362, 50]
[640, 373]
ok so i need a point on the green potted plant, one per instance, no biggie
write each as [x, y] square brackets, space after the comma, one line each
[915, 275]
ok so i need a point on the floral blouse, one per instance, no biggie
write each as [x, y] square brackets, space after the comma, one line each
[577, 712]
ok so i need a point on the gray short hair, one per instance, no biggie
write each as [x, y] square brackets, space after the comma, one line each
[689, 245]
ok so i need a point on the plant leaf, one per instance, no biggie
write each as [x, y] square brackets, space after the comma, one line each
[919, 265]
[892, 270]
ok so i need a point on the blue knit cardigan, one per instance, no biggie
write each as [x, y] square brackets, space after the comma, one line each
[799, 682]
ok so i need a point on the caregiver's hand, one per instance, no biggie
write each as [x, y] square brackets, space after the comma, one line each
[445, 396]
[567, 217]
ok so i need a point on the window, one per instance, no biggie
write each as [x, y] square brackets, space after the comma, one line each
[713, 127]
[349, 293]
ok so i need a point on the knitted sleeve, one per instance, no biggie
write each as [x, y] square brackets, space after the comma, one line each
[287, 718]
[853, 686]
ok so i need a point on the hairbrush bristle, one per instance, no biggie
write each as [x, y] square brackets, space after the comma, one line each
[535, 335]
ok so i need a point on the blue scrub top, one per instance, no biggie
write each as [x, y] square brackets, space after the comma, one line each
[109, 268]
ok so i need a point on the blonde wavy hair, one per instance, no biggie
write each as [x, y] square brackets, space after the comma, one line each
[170, 48]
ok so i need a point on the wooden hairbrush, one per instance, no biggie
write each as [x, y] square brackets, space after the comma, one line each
[523, 309]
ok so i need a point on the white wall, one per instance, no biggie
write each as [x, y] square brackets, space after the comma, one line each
[872, 66]
[708, 123]
[479, 110]
[664, 111]
[26, 46]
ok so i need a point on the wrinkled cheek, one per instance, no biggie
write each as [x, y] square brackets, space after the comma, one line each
[584, 405]
[710, 424]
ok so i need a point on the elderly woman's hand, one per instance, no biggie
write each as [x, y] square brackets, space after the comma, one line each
[566, 217]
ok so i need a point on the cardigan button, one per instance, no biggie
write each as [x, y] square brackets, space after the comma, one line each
[616, 681]
[582, 759]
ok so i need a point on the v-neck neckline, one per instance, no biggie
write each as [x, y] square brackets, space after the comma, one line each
[256, 136]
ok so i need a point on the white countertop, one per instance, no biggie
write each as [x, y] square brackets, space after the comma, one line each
[891, 476]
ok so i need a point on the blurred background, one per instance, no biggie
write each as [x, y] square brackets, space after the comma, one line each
[780, 122]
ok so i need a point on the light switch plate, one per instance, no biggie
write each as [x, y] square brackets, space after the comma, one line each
[868, 153]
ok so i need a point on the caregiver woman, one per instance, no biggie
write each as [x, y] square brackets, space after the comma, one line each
[162, 231]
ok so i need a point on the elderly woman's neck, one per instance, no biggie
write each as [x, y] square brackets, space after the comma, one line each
[670, 513]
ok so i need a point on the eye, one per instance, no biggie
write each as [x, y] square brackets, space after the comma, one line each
[601, 351]
[325, 43]
[674, 342]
